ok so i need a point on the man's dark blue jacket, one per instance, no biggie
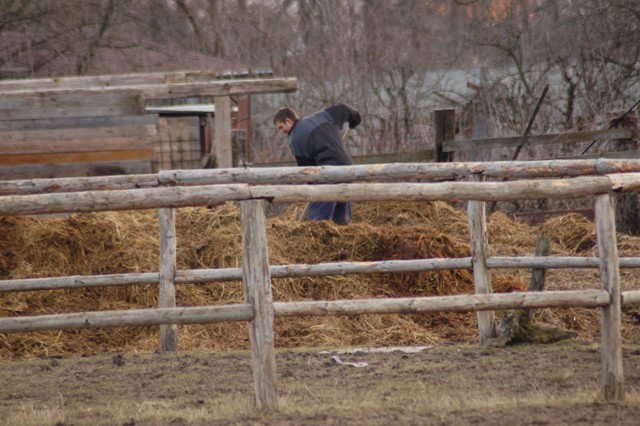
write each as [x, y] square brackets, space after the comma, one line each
[316, 140]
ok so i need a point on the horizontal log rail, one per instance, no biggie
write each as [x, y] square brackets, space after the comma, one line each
[458, 303]
[119, 80]
[132, 317]
[244, 312]
[343, 174]
[631, 297]
[200, 276]
[182, 196]
[172, 90]
[514, 141]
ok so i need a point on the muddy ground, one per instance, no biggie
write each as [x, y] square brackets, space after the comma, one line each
[443, 385]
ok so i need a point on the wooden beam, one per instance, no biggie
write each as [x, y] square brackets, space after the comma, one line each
[198, 276]
[132, 317]
[27, 106]
[79, 122]
[10, 138]
[128, 199]
[630, 298]
[89, 144]
[538, 275]
[395, 172]
[222, 147]
[476, 212]
[40, 186]
[257, 292]
[53, 172]
[627, 182]
[173, 90]
[111, 80]
[447, 191]
[611, 335]
[458, 303]
[80, 82]
[167, 276]
[204, 195]
[514, 141]
[628, 155]
[77, 157]
[244, 312]
[378, 172]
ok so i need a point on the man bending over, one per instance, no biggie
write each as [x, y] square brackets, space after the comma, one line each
[316, 141]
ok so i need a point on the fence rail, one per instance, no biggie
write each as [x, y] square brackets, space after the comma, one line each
[599, 178]
[549, 139]
[359, 173]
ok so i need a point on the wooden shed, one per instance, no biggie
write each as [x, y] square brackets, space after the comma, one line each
[103, 125]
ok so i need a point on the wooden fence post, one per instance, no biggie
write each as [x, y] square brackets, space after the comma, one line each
[257, 289]
[222, 132]
[167, 295]
[611, 339]
[476, 211]
[444, 120]
[538, 275]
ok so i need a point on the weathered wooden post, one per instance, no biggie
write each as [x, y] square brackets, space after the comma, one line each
[222, 133]
[167, 295]
[257, 289]
[444, 121]
[543, 248]
[611, 339]
[476, 211]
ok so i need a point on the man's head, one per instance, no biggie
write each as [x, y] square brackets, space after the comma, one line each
[284, 119]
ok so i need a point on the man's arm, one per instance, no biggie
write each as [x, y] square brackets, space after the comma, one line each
[342, 113]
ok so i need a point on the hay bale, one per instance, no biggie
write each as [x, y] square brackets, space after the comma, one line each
[570, 234]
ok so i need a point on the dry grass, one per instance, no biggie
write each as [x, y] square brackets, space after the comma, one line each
[461, 384]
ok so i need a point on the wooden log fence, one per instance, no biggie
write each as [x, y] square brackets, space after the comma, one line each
[200, 276]
[183, 196]
[514, 141]
[476, 214]
[362, 173]
[256, 274]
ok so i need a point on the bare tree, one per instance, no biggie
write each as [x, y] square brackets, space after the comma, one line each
[394, 60]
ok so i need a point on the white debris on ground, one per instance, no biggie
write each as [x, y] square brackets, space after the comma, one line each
[405, 349]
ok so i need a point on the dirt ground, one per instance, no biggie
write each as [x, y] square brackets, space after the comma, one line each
[76, 377]
[442, 385]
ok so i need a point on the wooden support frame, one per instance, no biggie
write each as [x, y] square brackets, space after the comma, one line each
[198, 276]
[612, 371]
[450, 145]
[222, 132]
[257, 290]
[360, 173]
[481, 274]
[163, 90]
[167, 293]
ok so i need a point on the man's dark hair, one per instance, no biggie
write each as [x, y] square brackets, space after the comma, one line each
[283, 113]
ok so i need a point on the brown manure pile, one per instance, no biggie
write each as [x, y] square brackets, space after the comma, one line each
[127, 242]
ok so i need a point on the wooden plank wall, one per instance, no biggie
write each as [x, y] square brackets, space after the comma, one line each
[65, 135]
[97, 125]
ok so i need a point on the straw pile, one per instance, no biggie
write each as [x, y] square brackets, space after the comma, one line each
[126, 242]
